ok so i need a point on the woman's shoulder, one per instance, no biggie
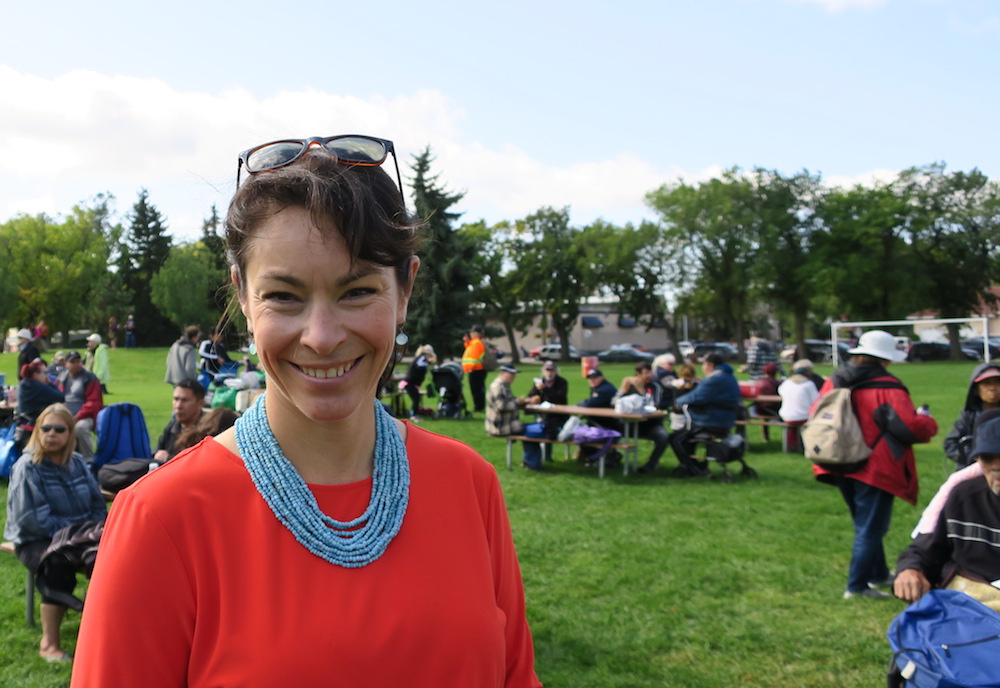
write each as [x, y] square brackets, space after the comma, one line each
[426, 446]
[207, 463]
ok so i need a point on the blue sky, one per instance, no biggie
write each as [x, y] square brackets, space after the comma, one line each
[582, 104]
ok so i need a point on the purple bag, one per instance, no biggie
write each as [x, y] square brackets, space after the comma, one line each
[593, 433]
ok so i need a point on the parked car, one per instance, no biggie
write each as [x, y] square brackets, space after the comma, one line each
[939, 351]
[553, 352]
[977, 344]
[724, 349]
[817, 351]
[624, 353]
[686, 348]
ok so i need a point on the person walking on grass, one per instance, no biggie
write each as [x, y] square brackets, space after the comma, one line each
[891, 426]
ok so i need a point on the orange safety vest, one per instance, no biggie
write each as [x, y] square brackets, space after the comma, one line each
[472, 357]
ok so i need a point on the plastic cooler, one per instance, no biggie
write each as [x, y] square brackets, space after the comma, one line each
[586, 363]
[749, 388]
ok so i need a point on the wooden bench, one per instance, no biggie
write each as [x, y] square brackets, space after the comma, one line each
[769, 422]
[29, 587]
[511, 439]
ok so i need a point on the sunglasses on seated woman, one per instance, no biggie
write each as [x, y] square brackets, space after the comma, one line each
[349, 149]
[58, 429]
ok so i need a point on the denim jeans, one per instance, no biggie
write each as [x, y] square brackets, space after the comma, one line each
[533, 450]
[871, 511]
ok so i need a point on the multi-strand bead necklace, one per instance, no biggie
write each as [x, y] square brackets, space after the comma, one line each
[350, 544]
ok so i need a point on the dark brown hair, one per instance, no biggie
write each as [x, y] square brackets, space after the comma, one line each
[361, 203]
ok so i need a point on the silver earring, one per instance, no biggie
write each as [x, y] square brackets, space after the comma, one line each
[402, 339]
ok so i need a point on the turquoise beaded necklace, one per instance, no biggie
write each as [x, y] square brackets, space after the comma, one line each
[350, 544]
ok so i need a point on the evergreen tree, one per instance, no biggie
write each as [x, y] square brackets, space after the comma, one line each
[147, 246]
[439, 312]
[216, 245]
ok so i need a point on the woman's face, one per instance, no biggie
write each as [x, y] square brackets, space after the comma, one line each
[55, 433]
[324, 328]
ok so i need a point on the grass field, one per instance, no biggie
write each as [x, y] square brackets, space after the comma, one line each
[646, 580]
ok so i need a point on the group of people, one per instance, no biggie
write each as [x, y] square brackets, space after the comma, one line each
[706, 405]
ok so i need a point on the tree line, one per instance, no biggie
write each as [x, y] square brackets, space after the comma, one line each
[736, 252]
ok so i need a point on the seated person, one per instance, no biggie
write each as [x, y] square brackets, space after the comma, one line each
[35, 393]
[211, 424]
[807, 366]
[983, 393]
[797, 393]
[213, 353]
[553, 388]
[423, 359]
[602, 395]
[686, 380]
[51, 487]
[712, 406]
[188, 404]
[768, 386]
[58, 365]
[929, 517]
[84, 399]
[502, 409]
[963, 551]
[644, 384]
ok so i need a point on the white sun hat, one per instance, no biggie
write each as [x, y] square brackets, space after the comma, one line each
[878, 344]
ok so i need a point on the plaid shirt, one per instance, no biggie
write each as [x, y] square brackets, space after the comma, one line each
[502, 410]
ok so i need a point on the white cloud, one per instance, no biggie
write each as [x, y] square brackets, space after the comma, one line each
[65, 139]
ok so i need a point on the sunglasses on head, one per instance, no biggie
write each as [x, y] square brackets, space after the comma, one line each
[58, 429]
[349, 149]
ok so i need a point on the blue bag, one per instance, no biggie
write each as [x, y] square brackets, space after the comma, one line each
[121, 434]
[9, 451]
[947, 639]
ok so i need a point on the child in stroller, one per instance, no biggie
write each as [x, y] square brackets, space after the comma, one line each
[448, 382]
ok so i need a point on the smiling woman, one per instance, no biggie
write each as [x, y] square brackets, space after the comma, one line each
[321, 541]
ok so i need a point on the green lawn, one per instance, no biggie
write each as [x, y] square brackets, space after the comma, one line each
[645, 580]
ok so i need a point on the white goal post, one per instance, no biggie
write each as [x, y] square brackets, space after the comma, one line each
[910, 323]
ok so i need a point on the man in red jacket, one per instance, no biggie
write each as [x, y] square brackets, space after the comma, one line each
[891, 425]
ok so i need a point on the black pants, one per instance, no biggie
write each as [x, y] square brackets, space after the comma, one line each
[477, 385]
[57, 577]
[683, 444]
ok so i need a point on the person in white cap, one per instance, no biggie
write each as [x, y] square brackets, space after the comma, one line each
[96, 361]
[983, 394]
[27, 352]
[891, 425]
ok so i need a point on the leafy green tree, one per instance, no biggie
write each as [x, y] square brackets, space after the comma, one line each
[863, 267]
[439, 312]
[183, 288]
[555, 267]
[783, 274]
[500, 290]
[58, 270]
[634, 264]
[953, 226]
[711, 230]
[147, 246]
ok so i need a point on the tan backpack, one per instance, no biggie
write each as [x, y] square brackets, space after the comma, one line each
[832, 435]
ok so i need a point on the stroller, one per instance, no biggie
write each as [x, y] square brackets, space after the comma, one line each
[723, 450]
[448, 382]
